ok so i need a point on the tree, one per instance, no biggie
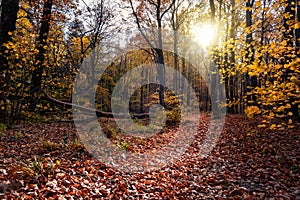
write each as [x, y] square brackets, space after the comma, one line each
[251, 81]
[8, 18]
[41, 47]
[9, 10]
[291, 35]
[179, 15]
[151, 13]
[275, 64]
[24, 51]
[297, 28]
[99, 18]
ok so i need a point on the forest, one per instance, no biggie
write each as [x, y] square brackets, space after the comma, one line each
[149, 99]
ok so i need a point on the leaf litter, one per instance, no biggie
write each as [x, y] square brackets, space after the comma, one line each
[47, 161]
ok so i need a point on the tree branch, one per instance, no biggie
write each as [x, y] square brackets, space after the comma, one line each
[139, 25]
[92, 111]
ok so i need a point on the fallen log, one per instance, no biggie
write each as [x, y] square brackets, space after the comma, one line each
[92, 111]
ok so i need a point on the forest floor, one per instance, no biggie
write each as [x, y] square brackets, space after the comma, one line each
[38, 162]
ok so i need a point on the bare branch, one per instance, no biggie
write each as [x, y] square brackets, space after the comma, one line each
[170, 6]
[139, 25]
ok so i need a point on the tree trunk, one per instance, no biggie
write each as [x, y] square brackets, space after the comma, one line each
[40, 58]
[212, 10]
[251, 82]
[160, 60]
[289, 35]
[142, 94]
[214, 84]
[159, 57]
[227, 88]
[9, 11]
[176, 66]
[232, 60]
[297, 31]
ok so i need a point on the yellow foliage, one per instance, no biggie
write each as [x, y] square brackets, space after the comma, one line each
[251, 111]
[288, 106]
[258, 3]
[273, 126]
[262, 126]
[280, 109]
[284, 43]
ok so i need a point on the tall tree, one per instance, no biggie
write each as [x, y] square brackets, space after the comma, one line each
[9, 11]
[179, 15]
[251, 81]
[41, 47]
[98, 17]
[153, 10]
[297, 28]
[214, 71]
[291, 35]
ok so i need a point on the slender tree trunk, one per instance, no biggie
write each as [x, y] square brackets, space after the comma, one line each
[251, 82]
[242, 93]
[200, 93]
[142, 94]
[227, 88]
[174, 24]
[183, 73]
[227, 75]
[232, 60]
[297, 31]
[207, 101]
[188, 77]
[175, 35]
[236, 93]
[291, 34]
[161, 65]
[220, 9]
[297, 35]
[212, 10]
[40, 58]
[214, 84]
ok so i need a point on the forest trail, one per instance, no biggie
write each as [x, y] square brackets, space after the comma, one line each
[247, 163]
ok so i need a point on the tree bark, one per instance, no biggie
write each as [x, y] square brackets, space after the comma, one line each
[214, 75]
[297, 31]
[40, 58]
[9, 11]
[212, 10]
[251, 82]
[232, 60]
[291, 34]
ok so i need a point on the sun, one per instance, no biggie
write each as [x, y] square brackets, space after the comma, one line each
[204, 34]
